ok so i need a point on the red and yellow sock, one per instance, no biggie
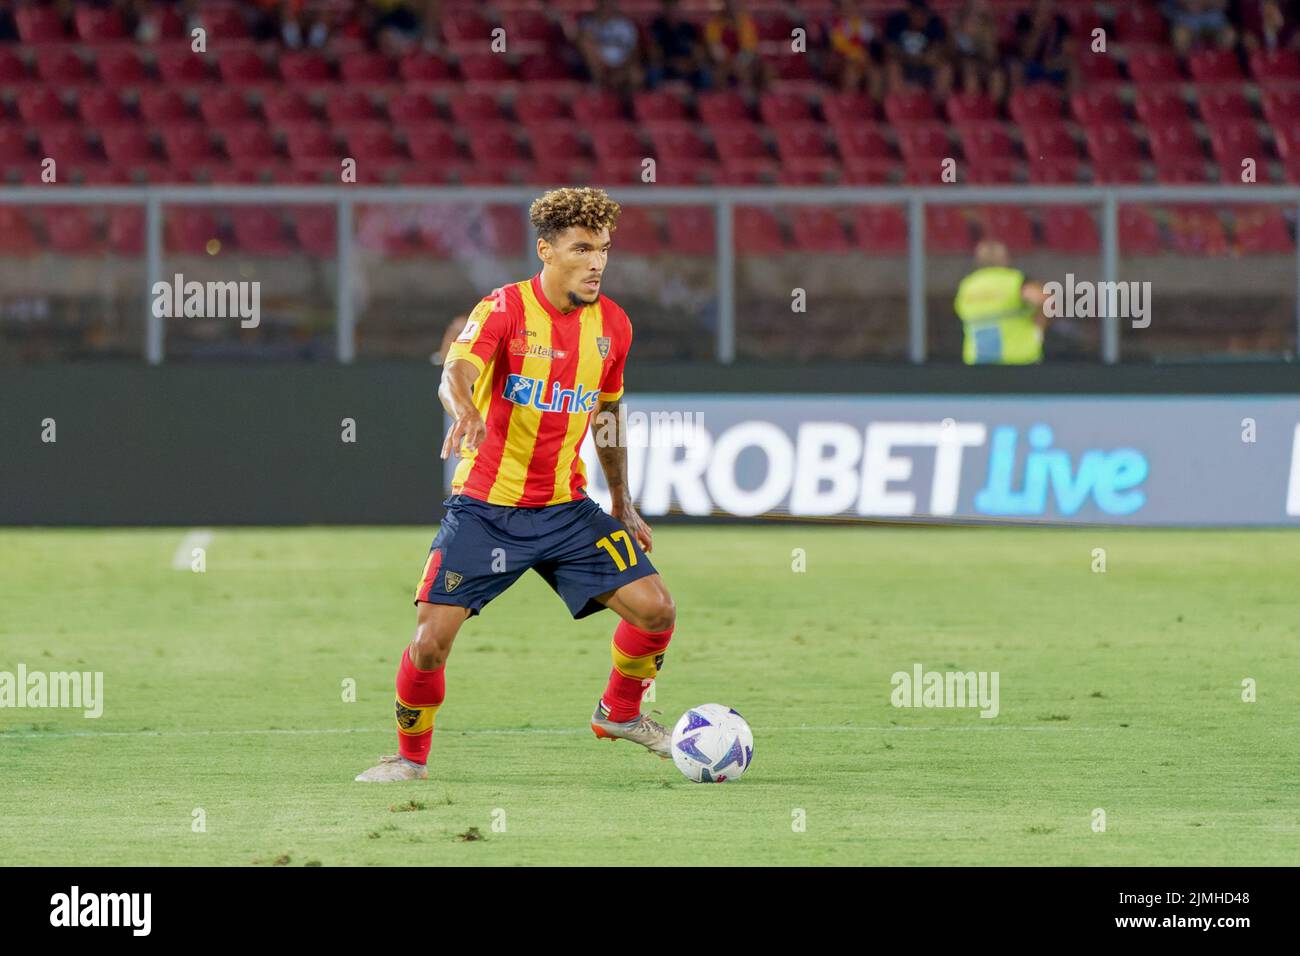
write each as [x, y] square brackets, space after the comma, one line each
[419, 695]
[638, 655]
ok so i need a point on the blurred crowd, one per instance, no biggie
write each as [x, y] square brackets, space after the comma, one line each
[970, 50]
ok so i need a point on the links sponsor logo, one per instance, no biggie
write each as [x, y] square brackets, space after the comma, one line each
[78, 690]
[526, 391]
[74, 908]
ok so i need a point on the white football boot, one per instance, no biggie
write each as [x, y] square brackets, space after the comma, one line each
[392, 768]
[641, 730]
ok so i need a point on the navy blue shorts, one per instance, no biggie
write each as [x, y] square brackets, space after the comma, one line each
[482, 549]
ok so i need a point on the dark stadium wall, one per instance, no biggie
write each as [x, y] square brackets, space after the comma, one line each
[200, 444]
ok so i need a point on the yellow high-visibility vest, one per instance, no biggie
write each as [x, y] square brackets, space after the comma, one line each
[998, 323]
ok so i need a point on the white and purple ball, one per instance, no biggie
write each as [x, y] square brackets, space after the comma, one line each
[712, 744]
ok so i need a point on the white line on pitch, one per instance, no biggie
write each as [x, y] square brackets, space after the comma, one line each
[183, 559]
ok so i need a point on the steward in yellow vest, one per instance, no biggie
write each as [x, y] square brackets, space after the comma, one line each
[1001, 313]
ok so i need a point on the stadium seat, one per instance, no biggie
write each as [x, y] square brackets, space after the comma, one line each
[121, 67]
[658, 106]
[495, 143]
[1137, 24]
[1109, 142]
[1219, 104]
[692, 230]
[1261, 230]
[1149, 65]
[424, 68]
[779, 109]
[1117, 172]
[1173, 142]
[188, 229]
[912, 106]
[1181, 172]
[484, 68]
[180, 67]
[242, 67]
[361, 68]
[1092, 107]
[223, 22]
[1035, 104]
[126, 231]
[348, 105]
[924, 140]
[947, 231]
[717, 108]
[1050, 141]
[285, 106]
[1234, 142]
[680, 140]
[223, 107]
[432, 143]
[1071, 230]
[311, 145]
[40, 25]
[96, 25]
[638, 234]
[742, 150]
[1275, 66]
[466, 29]
[1282, 106]
[1197, 232]
[1009, 224]
[844, 108]
[161, 105]
[796, 142]
[474, 107]
[1160, 105]
[880, 230]
[259, 231]
[1096, 69]
[617, 140]
[12, 68]
[71, 231]
[1139, 234]
[819, 229]
[971, 108]
[66, 144]
[411, 106]
[599, 106]
[305, 67]
[17, 238]
[986, 142]
[127, 146]
[757, 232]
[42, 105]
[1214, 66]
[1054, 172]
[102, 107]
[316, 230]
[188, 144]
[539, 106]
[248, 144]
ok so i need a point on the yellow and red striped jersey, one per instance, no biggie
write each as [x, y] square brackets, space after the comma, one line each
[542, 373]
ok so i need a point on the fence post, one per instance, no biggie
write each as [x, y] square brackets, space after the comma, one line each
[346, 331]
[916, 279]
[726, 333]
[153, 324]
[1110, 273]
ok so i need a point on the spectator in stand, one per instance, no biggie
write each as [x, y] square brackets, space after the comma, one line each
[1194, 23]
[975, 42]
[1044, 48]
[918, 50]
[1275, 32]
[609, 42]
[676, 51]
[302, 26]
[732, 39]
[8, 27]
[395, 25]
[855, 52]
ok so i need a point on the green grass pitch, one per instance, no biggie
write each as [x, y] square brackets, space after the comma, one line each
[224, 696]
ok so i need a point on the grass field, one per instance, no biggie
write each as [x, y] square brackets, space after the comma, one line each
[224, 693]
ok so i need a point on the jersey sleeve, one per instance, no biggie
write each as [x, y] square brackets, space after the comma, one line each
[611, 387]
[484, 331]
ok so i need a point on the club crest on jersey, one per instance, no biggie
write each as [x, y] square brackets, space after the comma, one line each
[523, 390]
[602, 345]
[452, 581]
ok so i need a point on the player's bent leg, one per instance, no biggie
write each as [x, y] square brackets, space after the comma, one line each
[421, 689]
[638, 647]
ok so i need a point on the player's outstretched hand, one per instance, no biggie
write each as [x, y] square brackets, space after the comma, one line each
[635, 525]
[465, 435]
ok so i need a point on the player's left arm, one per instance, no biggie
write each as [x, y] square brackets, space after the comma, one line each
[611, 444]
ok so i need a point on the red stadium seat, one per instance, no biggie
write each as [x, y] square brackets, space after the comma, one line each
[432, 143]
[531, 29]
[12, 68]
[59, 64]
[819, 229]
[1219, 104]
[1035, 104]
[741, 148]
[1071, 230]
[1097, 68]
[1092, 107]
[1262, 231]
[1054, 172]
[411, 106]
[1136, 23]
[95, 25]
[757, 232]
[802, 141]
[1112, 141]
[223, 22]
[126, 231]
[259, 231]
[224, 107]
[912, 106]
[1234, 142]
[638, 233]
[680, 140]
[718, 107]
[553, 140]
[1287, 138]
[66, 144]
[350, 106]
[1174, 142]
[127, 146]
[188, 144]
[16, 235]
[658, 106]
[989, 171]
[249, 144]
[947, 230]
[844, 108]
[311, 144]
[881, 230]
[617, 141]
[71, 231]
[599, 106]
[924, 140]
[102, 107]
[1214, 66]
[1275, 66]
[971, 108]
[1117, 172]
[778, 109]
[42, 105]
[1138, 232]
[474, 107]
[373, 143]
[1181, 172]
[40, 25]
[424, 68]
[305, 67]
[692, 230]
[242, 67]
[1050, 141]
[121, 66]
[1154, 65]
[1159, 105]
[163, 106]
[1282, 106]
[316, 229]
[539, 105]
[1197, 232]
[466, 28]
[180, 67]
[1009, 224]
[485, 68]
[360, 68]
[288, 106]
[983, 142]
[495, 143]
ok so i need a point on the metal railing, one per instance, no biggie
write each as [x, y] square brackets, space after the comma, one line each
[723, 200]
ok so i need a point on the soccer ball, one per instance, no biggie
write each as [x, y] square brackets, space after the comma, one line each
[712, 743]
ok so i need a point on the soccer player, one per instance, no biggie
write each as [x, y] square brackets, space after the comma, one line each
[534, 362]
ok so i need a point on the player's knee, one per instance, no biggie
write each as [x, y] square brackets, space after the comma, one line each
[659, 615]
[431, 645]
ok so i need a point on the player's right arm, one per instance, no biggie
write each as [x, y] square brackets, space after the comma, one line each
[468, 357]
